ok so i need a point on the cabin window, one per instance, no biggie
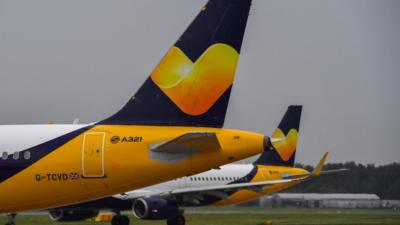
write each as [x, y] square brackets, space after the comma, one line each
[4, 156]
[27, 155]
[16, 155]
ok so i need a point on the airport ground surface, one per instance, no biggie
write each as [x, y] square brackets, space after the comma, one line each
[254, 216]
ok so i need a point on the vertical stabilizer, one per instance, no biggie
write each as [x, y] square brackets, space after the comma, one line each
[280, 148]
[192, 83]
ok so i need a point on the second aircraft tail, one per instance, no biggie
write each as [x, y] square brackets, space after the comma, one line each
[280, 148]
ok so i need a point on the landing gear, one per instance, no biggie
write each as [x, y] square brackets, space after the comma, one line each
[179, 220]
[120, 220]
[11, 219]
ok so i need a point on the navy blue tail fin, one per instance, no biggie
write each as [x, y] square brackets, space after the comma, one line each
[192, 83]
[280, 148]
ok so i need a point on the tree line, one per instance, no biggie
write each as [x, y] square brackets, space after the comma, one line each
[383, 181]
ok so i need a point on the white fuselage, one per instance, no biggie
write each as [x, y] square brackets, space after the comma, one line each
[221, 176]
[16, 138]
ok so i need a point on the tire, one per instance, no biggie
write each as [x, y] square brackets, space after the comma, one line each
[120, 220]
[124, 220]
[180, 220]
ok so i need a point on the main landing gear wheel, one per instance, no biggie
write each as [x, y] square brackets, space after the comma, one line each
[11, 219]
[120, 220]
[179, 220]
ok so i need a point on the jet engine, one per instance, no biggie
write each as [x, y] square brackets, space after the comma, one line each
[71, 215]
[155, 209]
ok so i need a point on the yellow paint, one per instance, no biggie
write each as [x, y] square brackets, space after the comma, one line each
[92, 154]
[195, 86]
[264, 173]
[127, 165]
[104, 217]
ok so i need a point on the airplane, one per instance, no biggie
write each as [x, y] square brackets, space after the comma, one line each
[172, 127]
[231, 184]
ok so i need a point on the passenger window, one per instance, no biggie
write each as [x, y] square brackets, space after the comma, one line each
[4, 156]
[27, 155]
[16, 155]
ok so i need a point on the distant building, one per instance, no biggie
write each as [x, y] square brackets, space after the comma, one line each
[390, 204]
[290, 200]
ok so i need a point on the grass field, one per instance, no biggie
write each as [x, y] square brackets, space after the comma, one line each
[254, 216]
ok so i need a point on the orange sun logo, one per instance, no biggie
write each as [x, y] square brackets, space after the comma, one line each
[285, 145]
[195, 86]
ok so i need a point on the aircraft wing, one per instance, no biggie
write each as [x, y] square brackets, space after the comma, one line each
[220, 191]
[317, 171]
[192, 196]
[254, 186]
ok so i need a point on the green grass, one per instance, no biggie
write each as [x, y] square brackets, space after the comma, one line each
[255, 216]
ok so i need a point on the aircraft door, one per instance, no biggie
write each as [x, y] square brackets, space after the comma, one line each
[93, 155]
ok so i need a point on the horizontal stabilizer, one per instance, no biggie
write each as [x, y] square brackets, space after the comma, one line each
[189, 143]
[184, 146]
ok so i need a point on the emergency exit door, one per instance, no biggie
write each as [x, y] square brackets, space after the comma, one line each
[93, 155]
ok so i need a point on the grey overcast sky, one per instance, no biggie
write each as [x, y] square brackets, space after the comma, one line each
[61, 60]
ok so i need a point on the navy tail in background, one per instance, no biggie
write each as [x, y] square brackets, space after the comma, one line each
[191, 85]
[280, 148]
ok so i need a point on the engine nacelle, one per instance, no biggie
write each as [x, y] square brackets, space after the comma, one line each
[155, 209]
[71, 215]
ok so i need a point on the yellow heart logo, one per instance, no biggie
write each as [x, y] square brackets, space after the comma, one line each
[195, 87]
[285, 145]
